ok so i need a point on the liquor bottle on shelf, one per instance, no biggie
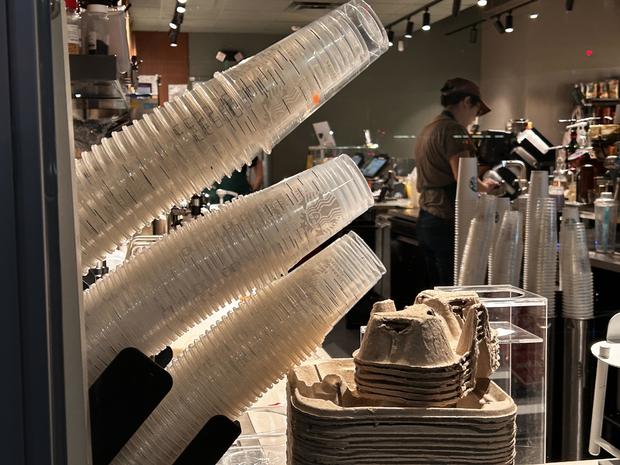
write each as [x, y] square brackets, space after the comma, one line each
[74, 27]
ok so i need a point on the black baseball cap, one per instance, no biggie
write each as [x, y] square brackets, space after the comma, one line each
[465, 87]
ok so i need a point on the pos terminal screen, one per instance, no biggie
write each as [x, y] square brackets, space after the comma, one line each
[374, 166]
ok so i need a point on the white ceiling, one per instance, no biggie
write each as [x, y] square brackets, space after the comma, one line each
[261, 16]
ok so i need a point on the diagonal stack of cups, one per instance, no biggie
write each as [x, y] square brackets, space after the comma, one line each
[229, 367]
[473, 269]
[155, 297]
[542, 259]
[575, 269]
[507, 253]
[219, 126]
[465, 208]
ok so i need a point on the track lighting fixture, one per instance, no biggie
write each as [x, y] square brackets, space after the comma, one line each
[509, 23]
[401, 45]
[482, 2]
[182, 2]
[499, 25]
[390, 34]
[456, 7]
[173, 25]
[533, 15]
[409, 31]
[180, 8]
[570, 5]
[173, 35]
[426, 21]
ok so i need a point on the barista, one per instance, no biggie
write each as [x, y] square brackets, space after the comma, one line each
[438, 149]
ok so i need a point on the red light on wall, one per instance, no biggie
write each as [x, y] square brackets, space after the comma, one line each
[589, 53]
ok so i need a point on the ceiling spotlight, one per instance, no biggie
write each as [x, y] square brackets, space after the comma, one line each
[426, 21]
[181, 9]
[569, 5]
[409, 31]
[173, 34]
[509, 23]
[182, 2]
[482, 2]
[173, 25]
[533, 15]
[401, 45]
[473, 35]
[499, 25]
[390, 37]
[456, 7]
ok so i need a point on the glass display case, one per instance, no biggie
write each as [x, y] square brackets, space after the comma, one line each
[520, 319]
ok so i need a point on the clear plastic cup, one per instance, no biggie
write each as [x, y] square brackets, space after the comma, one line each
[244, 245]
[220, 373]
[219, 126]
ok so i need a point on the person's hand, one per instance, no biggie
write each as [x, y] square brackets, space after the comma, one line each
[487, 185]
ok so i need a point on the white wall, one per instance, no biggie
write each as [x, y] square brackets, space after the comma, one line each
[531, 71]
[397, 95]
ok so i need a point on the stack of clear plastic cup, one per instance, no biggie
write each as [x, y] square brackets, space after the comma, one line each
[507, 254]
[538, 189]
[575, 272]
[473, 269]
[198, 138]
[570, 214]
[465, 208]
[230, 366]
[542, 259]
[503, 205]
[152, 299]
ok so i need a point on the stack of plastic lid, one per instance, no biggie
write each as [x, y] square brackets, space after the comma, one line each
[575, 269]
[465, 209]
[155, 297]
[502, 205]
[541, 262]
[475, 259]
[538, 189]
[219, 126]
[229, 367]
[507, 256]
[330, 422]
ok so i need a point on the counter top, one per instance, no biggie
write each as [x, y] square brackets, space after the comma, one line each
[604, 261]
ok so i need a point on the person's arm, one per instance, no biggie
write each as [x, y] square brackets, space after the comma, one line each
[486, 186]
[257, 179]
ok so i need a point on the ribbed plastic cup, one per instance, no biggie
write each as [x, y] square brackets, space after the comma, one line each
[161, 293]
[198, 138]
[508, 251]
[575, 272]
[229, 367]
[475, 260]
[542, 259]
[538, 189]
[465, 209]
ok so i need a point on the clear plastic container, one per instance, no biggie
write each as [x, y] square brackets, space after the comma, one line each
[520, 319]
[231, 365]
[96, 32]
[605, 219]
